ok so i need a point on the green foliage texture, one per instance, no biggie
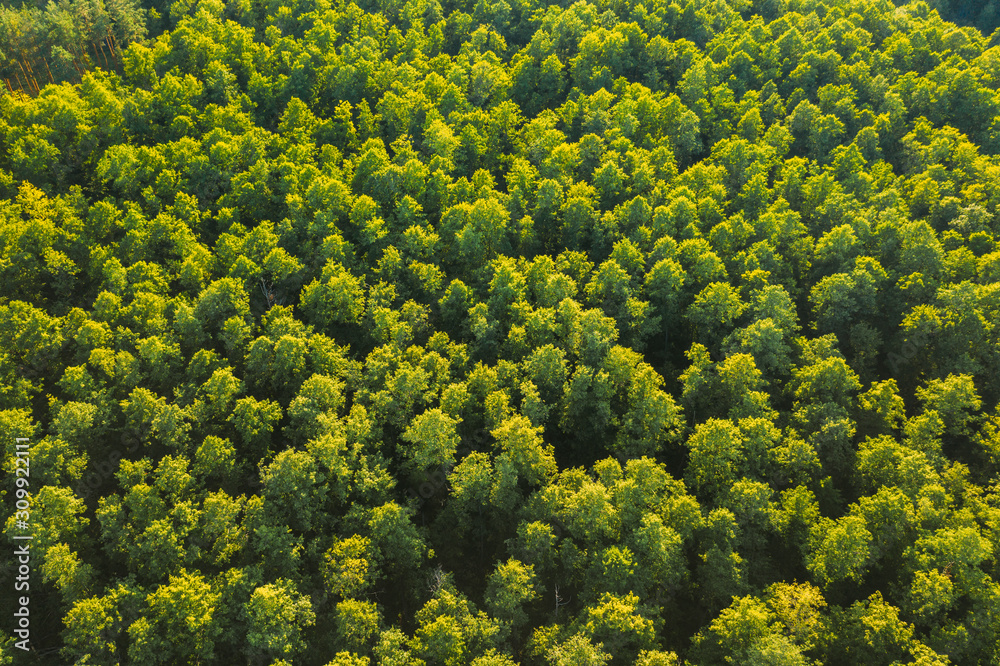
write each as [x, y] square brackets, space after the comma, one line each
[493, 332]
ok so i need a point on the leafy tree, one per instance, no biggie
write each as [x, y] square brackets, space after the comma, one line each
[181, 622]
[840, 549]
[450, 631]
[95, 624]
[276, 615]
[509, 589]
[433, 440]
[717, 455]
[578, 649]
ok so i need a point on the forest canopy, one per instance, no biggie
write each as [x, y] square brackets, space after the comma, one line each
[355, 332]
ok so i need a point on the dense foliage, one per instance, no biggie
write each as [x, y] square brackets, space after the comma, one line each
[502, 332]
